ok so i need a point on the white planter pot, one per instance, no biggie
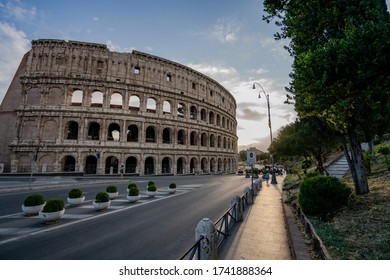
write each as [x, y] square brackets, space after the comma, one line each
[133, 198]
[171, 190]
[75, 201]
[51, 216]
[150, 194]
[101, 205]
[113, 195]
[32, 210]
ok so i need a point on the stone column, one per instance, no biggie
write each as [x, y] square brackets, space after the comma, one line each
[208, 245]
[239, 215]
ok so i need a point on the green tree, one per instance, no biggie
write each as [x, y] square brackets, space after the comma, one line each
[341, 69]
[310, 137]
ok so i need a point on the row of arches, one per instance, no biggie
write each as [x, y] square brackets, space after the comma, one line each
[151, 134]
[150, 166]
[153, 105]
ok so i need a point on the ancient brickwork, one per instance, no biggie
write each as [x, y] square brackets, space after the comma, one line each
[95, 111]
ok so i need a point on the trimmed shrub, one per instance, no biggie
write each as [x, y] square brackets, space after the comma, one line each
[75, 193]
[111, 189]
[172, 186]
[34, 200]
[102, 197]
[152, 188]
[322, 195]
[133, 191]
[131, 185]
[54, 205]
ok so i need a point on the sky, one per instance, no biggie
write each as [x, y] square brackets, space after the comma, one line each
[224, 39]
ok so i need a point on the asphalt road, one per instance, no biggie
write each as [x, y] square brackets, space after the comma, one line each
[160, 228]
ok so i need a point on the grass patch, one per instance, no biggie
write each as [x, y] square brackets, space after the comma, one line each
[361, 231]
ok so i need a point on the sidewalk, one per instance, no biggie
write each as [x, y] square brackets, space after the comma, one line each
[268, 231]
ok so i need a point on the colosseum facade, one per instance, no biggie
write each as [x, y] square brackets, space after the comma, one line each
[79, 107]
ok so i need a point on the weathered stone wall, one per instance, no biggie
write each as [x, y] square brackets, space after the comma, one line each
[96, 111]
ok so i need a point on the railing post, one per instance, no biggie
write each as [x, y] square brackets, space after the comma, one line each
[239, 213]
[209, 243]
[249, 195]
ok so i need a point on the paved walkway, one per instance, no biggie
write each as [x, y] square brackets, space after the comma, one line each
[263, 235]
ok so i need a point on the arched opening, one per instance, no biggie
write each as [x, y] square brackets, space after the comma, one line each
[93, 131]
[204, 165]
[181, 137]
[193, 113]
[166, 165]
[166, 136]
[166, 107]
[211, 117]
[203, 140]
[131, 165]
[149, 166]
[181, 110]
[113, 132]
[132, 133]
[212, 165]
[180, 166]
[150, 135]
[116, 100]
[73, 131]
[193, 165]
[193, 138]
[111, 165]
[97, 99]
[134, 103]
[212, 140]
[90, 165]
[77, 98]
[69, 164]
[203, 115]
[151, 105]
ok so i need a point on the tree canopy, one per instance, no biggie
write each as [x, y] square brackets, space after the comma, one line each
[341, 69]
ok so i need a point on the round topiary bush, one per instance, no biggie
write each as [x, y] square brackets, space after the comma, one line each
[75, 193]
[54, 205]
[34, 200]
[102, 197]
[152, 188]
[133, 191]
[111, 189]
[322, 195]
[131, 185]
[172, 186]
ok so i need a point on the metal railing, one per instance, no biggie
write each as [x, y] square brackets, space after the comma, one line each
[224, 224]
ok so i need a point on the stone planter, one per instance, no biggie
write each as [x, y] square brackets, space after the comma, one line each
[32, 210]
[101, 205]
[75, 201]
[171, 190]
[113, 195]
[150, 193]
[133, 198]
[48, 217]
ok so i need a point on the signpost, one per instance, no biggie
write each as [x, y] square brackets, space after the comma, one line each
[251, 160]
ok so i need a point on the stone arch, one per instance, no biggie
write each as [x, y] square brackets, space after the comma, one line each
[151, 105]
[69, 164]
[114, 132]
[93, 131]
[72, 130]
[193, 138]
[180, 164]
[116, 100]
[181, 137]
[166, 164]
[150, 134]
[97, 99]
[131, 165]
[193, 165]
[30, 130]
[149, 166]
[112, 165]
[132, 133]
[55, 96]
[166, 107]
[50, 130]
[204, 165]
[134, 102]
[77, 98]
[34, 96]
[166, 136]
[90, 165]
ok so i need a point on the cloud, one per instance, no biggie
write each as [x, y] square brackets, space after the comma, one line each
[250, 115]
[226, 30]
[13, 45]
[116, 48]
[16, 10]
[95, 19]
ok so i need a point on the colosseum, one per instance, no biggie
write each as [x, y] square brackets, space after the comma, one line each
[77, 107]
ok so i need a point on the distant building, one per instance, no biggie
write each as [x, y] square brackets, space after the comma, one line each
[79, 107]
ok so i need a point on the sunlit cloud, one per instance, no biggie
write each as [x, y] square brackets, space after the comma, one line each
[226, 30]
[13, 45]
[16, 10]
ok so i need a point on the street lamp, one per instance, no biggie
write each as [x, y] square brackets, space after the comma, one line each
[273, 177]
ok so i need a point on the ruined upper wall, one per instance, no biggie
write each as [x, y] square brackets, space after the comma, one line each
[90, 61]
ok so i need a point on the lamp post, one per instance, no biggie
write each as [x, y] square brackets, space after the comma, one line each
[273, 177]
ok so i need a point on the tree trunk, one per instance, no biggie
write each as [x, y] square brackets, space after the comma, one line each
[356, 164]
